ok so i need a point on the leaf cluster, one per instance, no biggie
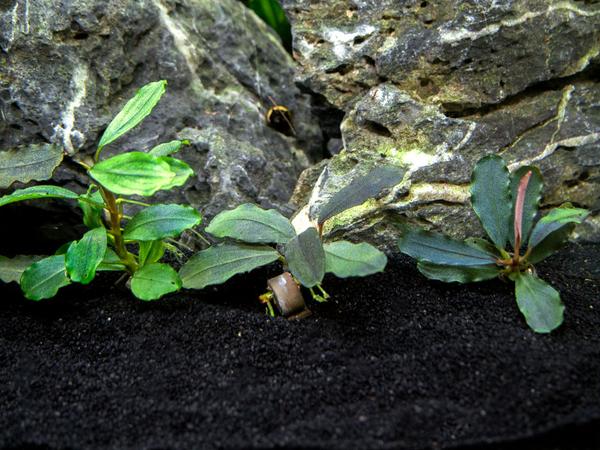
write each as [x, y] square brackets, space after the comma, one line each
[108, 243]
[256, 237]
[506, 205]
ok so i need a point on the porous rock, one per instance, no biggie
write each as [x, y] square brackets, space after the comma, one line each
[434, 86]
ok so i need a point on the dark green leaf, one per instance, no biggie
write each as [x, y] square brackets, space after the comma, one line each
[11, 269]
[181, 170]
[490, 196]
[441, 250]
[44, 278]
[133, 173]
[539, 302]
[552, 231]
[151, 252]
[168, 148]
[92, 207]
[359, 191]
[532, 199]
[134, 111]
[249, 223]
[345, 259]
[153, 281]
[83, 257]
[29, 162]
[458, 274]
[305, 257]
[161, 221]
[38, 192]
[215, 265]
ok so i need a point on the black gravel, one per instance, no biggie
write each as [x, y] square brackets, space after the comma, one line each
[394, 361]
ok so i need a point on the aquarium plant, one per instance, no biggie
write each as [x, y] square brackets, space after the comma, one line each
[114, 242]
[256, 237]
[506, 205]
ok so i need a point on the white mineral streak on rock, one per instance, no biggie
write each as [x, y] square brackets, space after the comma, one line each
[549, 149]
[14, 20]
[467, 136]
[453, 36]
[434, 192]
[342, 40]
[301, 221]
[583, 62]
[25, 23]
[181, 40]
[65, 130]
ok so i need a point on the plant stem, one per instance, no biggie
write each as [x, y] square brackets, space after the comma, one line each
[115, 229]
[199, 236]
[133, 202]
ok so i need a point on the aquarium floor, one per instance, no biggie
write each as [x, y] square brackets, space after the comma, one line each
[393, 362]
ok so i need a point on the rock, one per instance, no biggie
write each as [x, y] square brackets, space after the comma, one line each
[66, 68]
[434, 86]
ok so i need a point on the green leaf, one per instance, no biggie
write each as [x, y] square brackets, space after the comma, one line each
[44, 278]
[532, 199]
[305, 257]
[215, 265]
[134, 112]
[153, 281]
[181, 170]
[11, 269]
[161, 221]
[552, 231]
[168, 148]
[359, 191]
[111, 262]
[92, 207]
[441, 250]
[133, 173]
[458, 274]
[38, 192]
[345, 259]
[150, 252]
[539, 302]
[490, 196]
[29, 162]
[84, 257]
[249, 223]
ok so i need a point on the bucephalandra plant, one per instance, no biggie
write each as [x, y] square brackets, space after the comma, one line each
[106, 246]
[257, 237]
[506, 204]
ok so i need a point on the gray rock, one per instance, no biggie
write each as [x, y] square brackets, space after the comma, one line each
[66, 68]
[434, 86]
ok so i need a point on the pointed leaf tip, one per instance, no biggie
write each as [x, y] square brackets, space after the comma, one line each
[134, 112]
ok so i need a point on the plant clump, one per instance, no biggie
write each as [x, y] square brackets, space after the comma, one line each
[255, 237]
[108, 244]
[506, 205]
